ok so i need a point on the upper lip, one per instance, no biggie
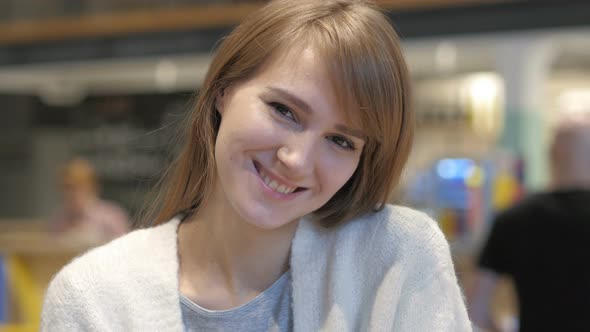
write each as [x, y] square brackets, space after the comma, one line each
[275, 177]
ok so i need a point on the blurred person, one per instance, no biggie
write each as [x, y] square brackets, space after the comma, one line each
[543, 244]
[274, 215]
[83, 213]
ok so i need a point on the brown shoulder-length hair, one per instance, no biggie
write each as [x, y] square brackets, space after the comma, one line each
[362, 54]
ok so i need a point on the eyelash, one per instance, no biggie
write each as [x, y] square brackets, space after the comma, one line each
[283, 110]
[348, 144]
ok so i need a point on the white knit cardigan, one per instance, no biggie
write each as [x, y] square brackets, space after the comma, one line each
[387, 271]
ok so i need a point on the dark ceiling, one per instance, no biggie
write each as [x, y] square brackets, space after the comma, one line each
[454, 20]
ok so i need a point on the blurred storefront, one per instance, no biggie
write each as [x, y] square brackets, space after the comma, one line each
[488, 88]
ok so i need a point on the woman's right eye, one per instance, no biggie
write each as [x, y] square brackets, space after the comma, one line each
[283, 110]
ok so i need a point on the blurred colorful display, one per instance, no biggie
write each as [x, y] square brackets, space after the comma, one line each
[463, 194]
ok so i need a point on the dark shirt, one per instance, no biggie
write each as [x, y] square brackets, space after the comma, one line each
[543, 243]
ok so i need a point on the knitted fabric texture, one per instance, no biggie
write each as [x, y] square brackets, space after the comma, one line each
[386, 271]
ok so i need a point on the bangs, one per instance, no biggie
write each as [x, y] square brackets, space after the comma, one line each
[361, 86]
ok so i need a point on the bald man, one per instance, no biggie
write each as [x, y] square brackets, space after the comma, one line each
[543, 243]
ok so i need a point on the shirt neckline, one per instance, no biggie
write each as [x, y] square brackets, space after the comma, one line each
[228, 312]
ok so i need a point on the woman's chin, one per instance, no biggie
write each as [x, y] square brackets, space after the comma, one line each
[267, 220]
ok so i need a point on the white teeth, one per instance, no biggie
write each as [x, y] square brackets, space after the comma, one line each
[275, 186]
[285, 190]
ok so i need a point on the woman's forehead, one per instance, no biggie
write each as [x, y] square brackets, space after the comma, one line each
[309, 67]
[299, 62]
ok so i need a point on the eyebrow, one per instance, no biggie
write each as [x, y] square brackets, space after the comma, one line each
[291, 99]
[352, 132]
[307, 109]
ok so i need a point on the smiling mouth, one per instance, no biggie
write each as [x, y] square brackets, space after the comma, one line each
[274, 184]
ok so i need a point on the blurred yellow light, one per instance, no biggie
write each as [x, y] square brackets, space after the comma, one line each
[483, 89]
[574, 102]
[476, 177]
[484, 98]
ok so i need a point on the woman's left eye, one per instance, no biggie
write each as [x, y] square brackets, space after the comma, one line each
[342, 142]
[283, 110]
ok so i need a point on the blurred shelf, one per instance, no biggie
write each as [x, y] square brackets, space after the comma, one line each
[32, 257]
[196, 29]
[41, 244]
[113, 24]
[141, 20]
[42, 253]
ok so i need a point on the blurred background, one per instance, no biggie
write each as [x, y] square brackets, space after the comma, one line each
[105, 83]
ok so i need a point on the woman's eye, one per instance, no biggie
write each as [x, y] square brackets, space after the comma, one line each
[283, 110]
[342, 142]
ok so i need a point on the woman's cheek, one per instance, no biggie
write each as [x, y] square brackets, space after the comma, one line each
[340, 168]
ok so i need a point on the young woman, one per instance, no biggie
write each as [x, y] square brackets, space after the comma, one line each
[274, 215]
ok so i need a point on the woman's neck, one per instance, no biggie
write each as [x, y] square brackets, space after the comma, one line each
[224, 260]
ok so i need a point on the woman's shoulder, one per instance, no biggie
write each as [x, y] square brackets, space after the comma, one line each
[401, 236]
[393, 238]
[125, 257]
[105, 286]
[400, 225]
[401, 233]
[394, 232]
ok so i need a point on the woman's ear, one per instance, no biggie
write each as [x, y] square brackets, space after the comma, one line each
[220, 101]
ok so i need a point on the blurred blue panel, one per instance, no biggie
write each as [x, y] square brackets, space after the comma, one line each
[451, 191]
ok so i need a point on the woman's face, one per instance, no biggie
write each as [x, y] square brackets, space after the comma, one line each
[283, 148]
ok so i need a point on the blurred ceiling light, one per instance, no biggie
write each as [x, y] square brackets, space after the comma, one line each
[105, 77]
[166, 75]
[445, 57]
[58, 93]
[484, 102]
[574, 102]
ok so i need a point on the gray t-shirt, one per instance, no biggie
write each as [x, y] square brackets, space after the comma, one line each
[269, 311]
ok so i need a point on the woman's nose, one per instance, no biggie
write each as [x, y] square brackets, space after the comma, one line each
[298, 154]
